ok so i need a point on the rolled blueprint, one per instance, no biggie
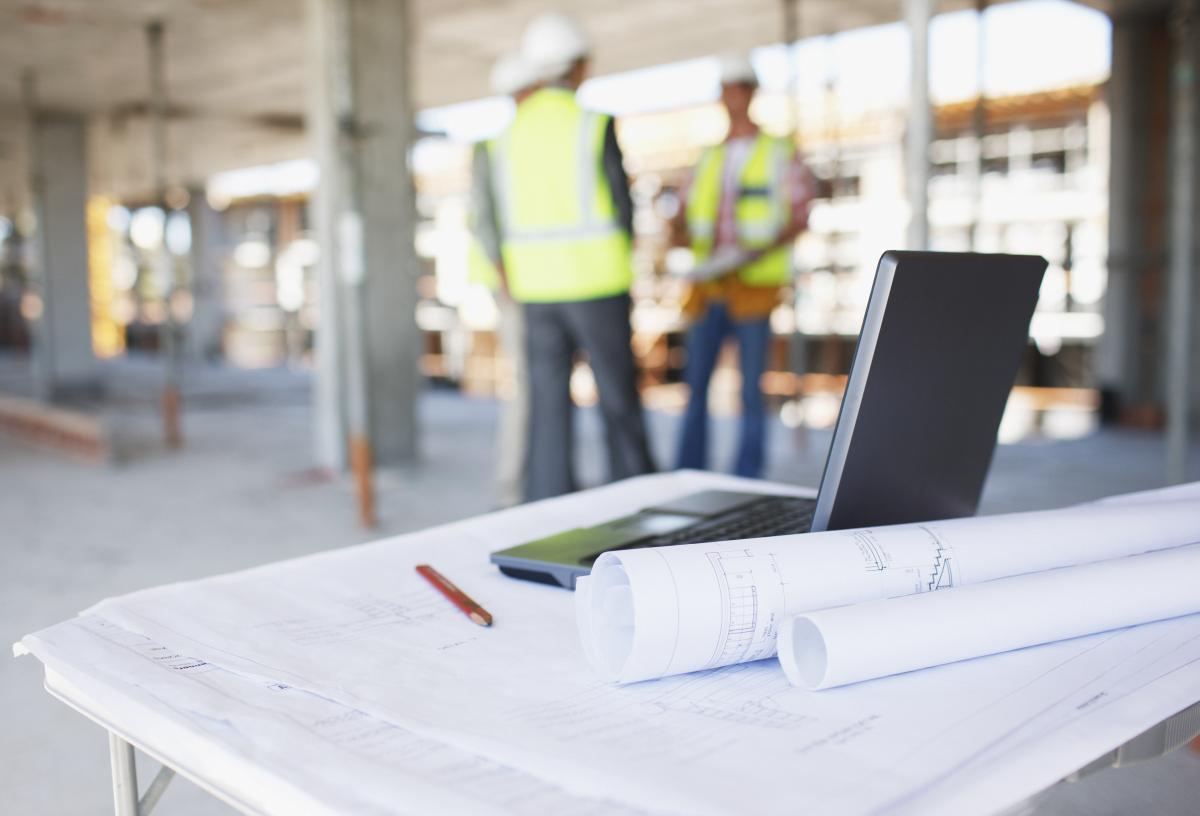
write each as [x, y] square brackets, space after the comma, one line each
[720, 263]
[849, 644]
[646, 613]
[1183, 492]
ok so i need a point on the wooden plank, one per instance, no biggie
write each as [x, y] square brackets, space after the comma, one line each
[63, 429]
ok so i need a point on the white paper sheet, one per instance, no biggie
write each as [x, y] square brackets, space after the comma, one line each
[849, 644]
[670, 610]
[358, 627]
[729, 740]
[276, 748]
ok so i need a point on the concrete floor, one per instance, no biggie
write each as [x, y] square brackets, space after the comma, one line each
[242, 493]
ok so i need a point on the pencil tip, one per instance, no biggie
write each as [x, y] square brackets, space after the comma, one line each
[480, 619]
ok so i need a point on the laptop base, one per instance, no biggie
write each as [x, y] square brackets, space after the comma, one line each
[709, 515]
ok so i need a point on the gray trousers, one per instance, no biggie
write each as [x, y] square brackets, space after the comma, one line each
[554, 333]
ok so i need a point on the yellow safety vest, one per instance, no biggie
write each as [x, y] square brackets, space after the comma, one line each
[561, 239]
[480, 269]
[762, 212]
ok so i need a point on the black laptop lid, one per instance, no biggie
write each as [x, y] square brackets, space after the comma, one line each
[941, 342]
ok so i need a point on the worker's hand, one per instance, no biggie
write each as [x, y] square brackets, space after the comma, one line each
[677, 229]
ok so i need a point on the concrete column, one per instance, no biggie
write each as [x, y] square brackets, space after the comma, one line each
[1128, 357]
[203, 340]
[1182, 240]
[364, 212]
[920, 122]
[791, 38]
[169, 332]
[978, 125]
[1113, 351]
[329, 408]
[63, 362]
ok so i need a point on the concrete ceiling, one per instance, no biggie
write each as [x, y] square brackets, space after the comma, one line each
[246, 57]
[236, 68]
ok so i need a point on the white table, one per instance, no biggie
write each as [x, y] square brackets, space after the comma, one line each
[200, 760]
[126, 798]
[1155, 742]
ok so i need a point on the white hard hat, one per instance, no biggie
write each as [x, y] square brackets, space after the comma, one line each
[552, 42]
[736, 69]
[510, 74]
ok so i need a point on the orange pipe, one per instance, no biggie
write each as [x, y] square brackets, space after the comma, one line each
[361, 467]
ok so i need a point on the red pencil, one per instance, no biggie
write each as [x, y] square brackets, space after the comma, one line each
[456, 596]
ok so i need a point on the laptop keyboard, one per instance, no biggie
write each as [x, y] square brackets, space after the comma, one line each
[773, 515]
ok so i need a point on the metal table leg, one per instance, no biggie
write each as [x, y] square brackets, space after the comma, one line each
[124, 776]
[155, 790]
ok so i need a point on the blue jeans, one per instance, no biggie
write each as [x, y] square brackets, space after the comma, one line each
[703, 345]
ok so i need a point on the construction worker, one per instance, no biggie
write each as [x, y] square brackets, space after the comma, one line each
[746, 203]
[511, 76]
[566, 216]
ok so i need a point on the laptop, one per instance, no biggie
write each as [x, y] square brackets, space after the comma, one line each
[937, 354]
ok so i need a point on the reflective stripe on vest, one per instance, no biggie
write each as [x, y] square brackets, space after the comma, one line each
[761, 211]
[561, 239]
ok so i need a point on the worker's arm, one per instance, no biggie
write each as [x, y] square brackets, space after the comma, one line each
[618, 182]
[485, 226]
[679, 235]
[802, 188]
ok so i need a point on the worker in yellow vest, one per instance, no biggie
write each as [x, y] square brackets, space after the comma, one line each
[745, 205]
[511, 76]
[565, 215]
